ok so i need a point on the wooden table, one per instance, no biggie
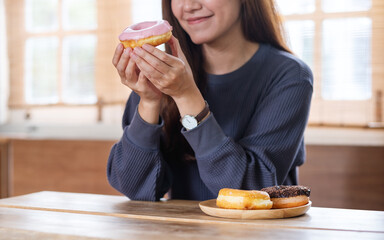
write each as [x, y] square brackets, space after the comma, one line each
[58, 215]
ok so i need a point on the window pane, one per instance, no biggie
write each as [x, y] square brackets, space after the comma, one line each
[79, 69]
[79, 14]
[346, 5]
[41, 15]
[301, 39]
[346, 60]
[41, 70]
[288, 7]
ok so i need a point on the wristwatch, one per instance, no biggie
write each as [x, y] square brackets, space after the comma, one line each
[190, 122]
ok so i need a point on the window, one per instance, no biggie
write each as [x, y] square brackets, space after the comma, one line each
[346, 58]
[60, 55]
[346, 5]
[303, 40]
[60, 51]
[296, 6]
[339, 40]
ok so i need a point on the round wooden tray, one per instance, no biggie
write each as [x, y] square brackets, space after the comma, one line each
[209, 207]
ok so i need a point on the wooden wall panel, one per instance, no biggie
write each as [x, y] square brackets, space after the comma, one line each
[58, 165]
[345, 176]
[4, 168]
[339, 176]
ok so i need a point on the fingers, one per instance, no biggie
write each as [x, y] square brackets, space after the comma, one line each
[144, 83]
[130, 75]
[157, 53]
[150, 71]
[166, 72]
[125, 68]
[147, 89]
[123, 61]
[116, 57]
[154, 57]
[175, 46]
[157, 65]
[176, 49]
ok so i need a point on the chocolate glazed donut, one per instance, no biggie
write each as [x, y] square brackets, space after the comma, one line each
[288, 196]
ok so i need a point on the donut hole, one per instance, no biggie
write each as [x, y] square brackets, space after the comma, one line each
[143, 25]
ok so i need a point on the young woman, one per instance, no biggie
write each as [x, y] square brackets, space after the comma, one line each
[225, 106]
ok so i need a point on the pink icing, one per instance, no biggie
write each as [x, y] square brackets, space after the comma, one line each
[145, 29]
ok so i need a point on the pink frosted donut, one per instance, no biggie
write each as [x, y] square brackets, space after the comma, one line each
[154, 33]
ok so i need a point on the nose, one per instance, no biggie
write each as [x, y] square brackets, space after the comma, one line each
[191, 5]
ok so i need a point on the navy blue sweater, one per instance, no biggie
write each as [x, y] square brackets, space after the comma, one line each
[252, 139]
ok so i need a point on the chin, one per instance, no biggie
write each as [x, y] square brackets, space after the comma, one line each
[200, 40]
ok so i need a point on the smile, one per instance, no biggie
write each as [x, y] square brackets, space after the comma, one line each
[197, 20]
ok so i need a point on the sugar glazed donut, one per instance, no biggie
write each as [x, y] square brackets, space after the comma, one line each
[288, 196]
[154, 33]
[243, 199]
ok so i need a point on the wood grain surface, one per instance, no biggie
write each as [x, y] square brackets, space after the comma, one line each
[179, 211]
[35, 224]
[60, 165]
[342, 176]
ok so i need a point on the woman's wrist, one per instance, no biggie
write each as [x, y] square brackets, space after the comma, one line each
[191, 103]
[149, 111]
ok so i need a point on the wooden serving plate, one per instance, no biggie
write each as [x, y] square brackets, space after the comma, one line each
[209, 207]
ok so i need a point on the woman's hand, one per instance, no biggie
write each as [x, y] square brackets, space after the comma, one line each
[171, 74]
[130, 75]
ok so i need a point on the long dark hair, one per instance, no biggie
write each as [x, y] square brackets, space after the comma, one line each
[260, 23]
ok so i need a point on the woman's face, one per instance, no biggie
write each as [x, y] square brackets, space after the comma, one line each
[206, 21]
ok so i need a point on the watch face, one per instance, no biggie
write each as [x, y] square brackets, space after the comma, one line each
[189, 122]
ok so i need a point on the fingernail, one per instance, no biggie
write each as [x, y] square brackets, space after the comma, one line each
[127, 51]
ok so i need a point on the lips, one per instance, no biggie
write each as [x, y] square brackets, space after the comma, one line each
[196, 20]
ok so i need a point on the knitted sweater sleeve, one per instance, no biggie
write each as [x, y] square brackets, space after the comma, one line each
[268, 148]
[135, 166]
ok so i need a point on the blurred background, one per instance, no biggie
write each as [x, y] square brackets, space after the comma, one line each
[61, 100]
